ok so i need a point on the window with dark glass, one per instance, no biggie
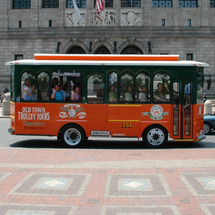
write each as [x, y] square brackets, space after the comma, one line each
[50, 23]
[175, 93]
[132, 50]
[12, 87]
[200, 87]
[142, 88]
[43, 86]
[189, 56]
[102, 50]
[28, 87]
[50, 3]
[126, 87]
[161, 87]
[21, 4]
[79, 3]
[108, 3]
[189, 23]
[112, 84]
[212, 3]
[188, 3]
[163, 22]
[162, 3]
[130, 3]
[66, 86]
[20, 24]
[18, 57]
[187, 108]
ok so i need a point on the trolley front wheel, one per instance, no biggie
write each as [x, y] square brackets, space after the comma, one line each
[155, 137]
[72, 135]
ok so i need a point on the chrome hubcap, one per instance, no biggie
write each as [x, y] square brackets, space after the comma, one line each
[155, 136]
[206, 128]
[72, 136]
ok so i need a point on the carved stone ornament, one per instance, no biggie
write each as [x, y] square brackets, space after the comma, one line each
[130, 17]
[106, 18]
[72, 18]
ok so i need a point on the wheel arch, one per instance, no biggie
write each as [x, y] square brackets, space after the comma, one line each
[208, 122]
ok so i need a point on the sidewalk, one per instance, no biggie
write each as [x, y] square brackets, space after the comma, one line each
[107, 182]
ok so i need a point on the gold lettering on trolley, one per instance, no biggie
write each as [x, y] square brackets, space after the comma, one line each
[126, 125]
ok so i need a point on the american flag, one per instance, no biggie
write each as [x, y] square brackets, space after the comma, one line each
[99, 7]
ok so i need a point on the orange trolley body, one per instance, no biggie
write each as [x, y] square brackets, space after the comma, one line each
[74, 122]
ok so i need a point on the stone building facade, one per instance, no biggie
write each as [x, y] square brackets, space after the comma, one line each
[184, 27]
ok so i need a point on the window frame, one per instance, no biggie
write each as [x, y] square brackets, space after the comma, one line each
[79, 3]
[155, 88]
[147, 85]
[134, 3]
[23, 81]
[115, 84]
[212, 3]
[47, 4]
[157, 3]
[126, 96]
[17, 4]
[182, 3]
[96, 100]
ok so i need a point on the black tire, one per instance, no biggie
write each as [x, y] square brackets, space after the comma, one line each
[207, 128]
[155, 136]
[72, 136]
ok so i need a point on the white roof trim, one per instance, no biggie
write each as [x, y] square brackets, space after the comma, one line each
[107, 63]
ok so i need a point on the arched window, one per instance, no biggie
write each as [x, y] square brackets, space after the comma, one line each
[28, 86]
[102, 50]
[161, 87]
[212, 3]
[95, 88]
[131, 50]
[126, 87]
[142, 93]
[112, 86]
[76, 50]
[43, 86]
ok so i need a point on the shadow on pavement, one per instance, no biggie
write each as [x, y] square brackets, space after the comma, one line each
[44, 143]
[37, 143]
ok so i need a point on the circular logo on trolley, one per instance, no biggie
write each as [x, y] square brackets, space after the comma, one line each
[156, 111]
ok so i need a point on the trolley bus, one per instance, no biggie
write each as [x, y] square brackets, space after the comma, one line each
[153, 98]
